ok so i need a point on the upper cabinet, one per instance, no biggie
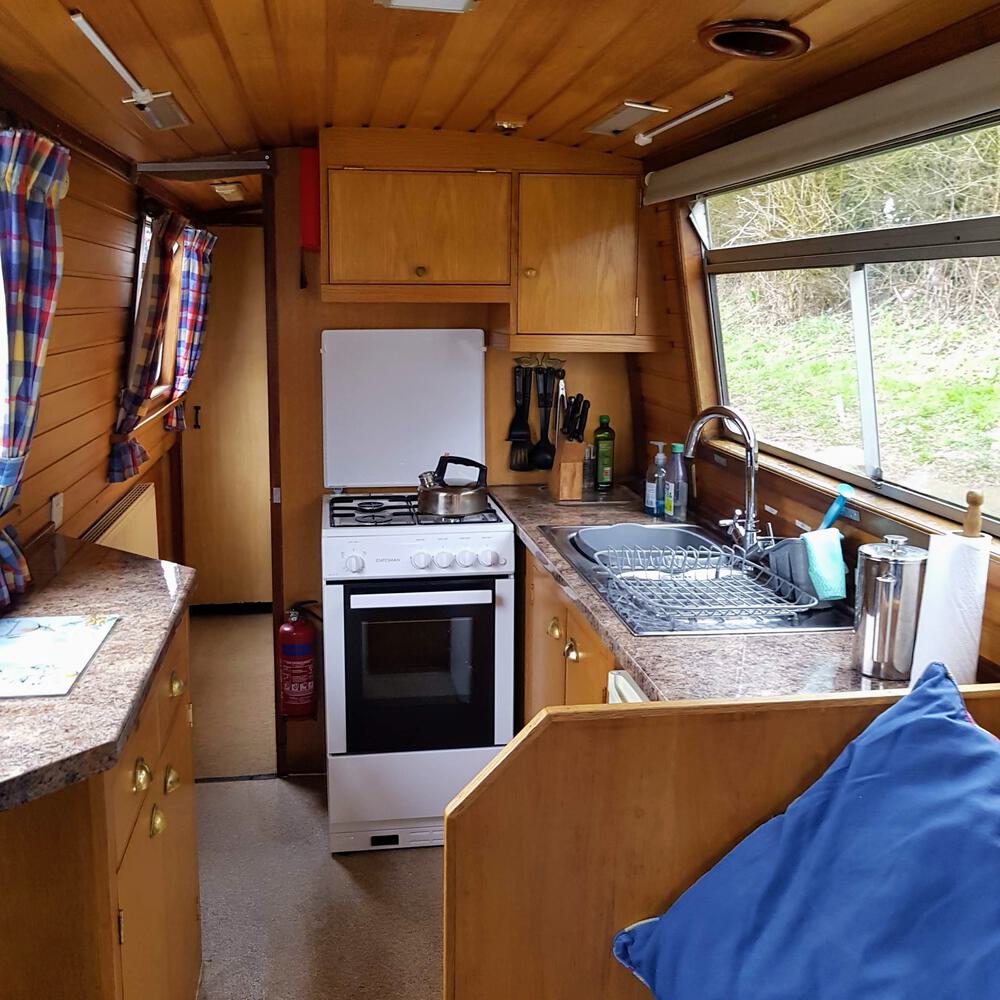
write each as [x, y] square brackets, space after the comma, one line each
[549, 237]
[577, 254]
[425, 227]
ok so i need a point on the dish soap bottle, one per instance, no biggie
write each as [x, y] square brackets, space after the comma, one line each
[604, 445]
[675, 493]
[656, 476]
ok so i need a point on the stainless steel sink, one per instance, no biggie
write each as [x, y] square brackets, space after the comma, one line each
[580, 545]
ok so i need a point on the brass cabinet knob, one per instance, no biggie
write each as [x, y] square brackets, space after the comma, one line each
[531, 272]
[420, 270]
[571, 652]
[171, 780]
[142, 776]
[555, 629]
[157, 822]
[176, 686]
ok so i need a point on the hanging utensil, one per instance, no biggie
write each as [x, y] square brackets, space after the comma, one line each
[519, 433]
[544, 453]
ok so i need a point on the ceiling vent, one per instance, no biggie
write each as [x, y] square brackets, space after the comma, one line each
[436, 6]
[158, 111]
[232, 191]
[755, 39]
[628, 115]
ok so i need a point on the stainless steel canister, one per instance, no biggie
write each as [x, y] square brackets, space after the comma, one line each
[889, 584]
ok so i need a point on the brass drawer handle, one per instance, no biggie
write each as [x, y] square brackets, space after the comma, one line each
[171, 780]
[157, 822]
[571, 652]
[531, 272]
[142, 776]
[554, 631]
[176, 685]
[420, 270]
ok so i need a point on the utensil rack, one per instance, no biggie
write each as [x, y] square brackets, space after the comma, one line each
[663, 586]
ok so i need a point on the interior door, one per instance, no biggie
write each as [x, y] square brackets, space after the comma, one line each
[577, 252]
[227, 534]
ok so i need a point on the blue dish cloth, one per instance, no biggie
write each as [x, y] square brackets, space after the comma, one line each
[827, 569]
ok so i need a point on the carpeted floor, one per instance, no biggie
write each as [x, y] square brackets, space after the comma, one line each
[232, 681]
[283, 920]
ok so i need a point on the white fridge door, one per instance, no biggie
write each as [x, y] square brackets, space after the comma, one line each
[394, 401]
[622, 690]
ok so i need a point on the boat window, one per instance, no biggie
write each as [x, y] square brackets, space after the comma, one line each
[857, 317]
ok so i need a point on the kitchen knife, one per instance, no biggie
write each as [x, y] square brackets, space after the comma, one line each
[572, 412]
[580, 424]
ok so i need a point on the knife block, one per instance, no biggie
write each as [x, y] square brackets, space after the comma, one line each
[566, 475]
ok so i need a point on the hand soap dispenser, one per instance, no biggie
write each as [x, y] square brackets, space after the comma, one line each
[656, 478]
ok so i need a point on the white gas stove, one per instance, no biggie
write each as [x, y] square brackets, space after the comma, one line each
[418, 611]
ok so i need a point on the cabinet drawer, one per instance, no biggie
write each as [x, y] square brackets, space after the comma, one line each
[418, 227]
[171, 686]
[130, 780]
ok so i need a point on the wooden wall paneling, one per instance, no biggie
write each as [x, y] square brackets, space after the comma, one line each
[62, 406]
[95, 224]
[603, 378]
[71, 367]
[531, 908]
[81, 330]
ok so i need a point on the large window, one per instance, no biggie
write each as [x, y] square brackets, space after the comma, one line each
[857, 314]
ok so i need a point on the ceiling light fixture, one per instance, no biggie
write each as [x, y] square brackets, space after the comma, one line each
[630, 113]
[436, 6]
[230, 190]
[755, 39]
[645, 138]
[158, 111]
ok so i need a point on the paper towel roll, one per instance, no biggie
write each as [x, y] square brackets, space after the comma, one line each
[951, 612]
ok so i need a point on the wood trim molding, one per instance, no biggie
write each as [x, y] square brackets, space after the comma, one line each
[966, 36]
[424, 149]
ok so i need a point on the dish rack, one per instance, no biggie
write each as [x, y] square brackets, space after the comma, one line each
[664, 586]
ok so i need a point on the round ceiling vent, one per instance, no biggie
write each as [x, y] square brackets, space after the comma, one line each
[750, 39]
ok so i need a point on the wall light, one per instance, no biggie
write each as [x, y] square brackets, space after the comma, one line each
[645, 138]
[438, 6]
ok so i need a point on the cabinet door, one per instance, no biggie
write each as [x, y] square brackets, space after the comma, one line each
[577, 253]
[545, 637]
[424, 227]
[180, 859]
[142, 908]
[588, 661]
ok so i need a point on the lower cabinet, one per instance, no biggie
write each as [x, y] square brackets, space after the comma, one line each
[99, 897]
[565, 662]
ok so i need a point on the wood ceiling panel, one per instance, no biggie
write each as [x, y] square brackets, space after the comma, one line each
[844, 33]
[187, 39]
[300, 41]
[594, 26]
[465, 50]
[536, 29]
[243, 27]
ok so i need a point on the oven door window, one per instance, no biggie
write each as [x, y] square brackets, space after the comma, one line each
[420, 670]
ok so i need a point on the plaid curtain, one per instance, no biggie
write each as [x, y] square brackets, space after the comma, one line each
[147, 338]
[195, 278]
[33, 178]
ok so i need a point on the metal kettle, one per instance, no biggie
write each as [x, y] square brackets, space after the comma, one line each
[890, 580]
[440, 499]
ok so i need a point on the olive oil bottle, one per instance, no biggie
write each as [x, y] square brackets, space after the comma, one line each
[604, 445]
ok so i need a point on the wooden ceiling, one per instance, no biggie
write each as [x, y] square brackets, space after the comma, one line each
[260, 73]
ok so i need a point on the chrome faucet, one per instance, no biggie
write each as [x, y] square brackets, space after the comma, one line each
[742, 526]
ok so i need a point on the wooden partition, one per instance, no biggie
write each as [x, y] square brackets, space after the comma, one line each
[595, 818]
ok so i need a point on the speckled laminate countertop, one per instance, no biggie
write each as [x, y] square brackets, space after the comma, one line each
[683, 666]
[48, 743]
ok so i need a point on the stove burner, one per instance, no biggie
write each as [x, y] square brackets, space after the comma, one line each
[370, 506]
[383, 518]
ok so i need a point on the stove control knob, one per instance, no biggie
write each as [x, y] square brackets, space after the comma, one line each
[354, 564]
[444, 559]
[489, 558]
[467, 558]
[421, 560]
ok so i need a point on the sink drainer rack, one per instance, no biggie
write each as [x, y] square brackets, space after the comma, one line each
[662, 586]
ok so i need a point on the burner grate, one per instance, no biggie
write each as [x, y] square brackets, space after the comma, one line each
[379, 510]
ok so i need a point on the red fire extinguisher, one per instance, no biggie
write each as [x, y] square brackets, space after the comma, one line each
[297, 659]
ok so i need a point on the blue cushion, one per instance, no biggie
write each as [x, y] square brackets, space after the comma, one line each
[881, 882]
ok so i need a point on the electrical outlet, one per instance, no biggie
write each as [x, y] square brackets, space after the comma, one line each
[56, 509]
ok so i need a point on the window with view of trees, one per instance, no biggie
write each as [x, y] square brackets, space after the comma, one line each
[857, 313]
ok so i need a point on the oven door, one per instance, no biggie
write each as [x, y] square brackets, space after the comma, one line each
[419, 664]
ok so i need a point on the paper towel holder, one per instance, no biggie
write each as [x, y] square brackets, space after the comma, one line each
[972, 523]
